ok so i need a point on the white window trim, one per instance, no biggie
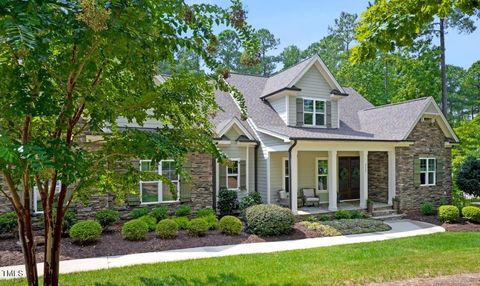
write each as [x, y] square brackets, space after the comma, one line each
[316, 173]
[160, 185]
[429, 171]
[284, 176]
[238, 174]
[36, 198]
[315, 112]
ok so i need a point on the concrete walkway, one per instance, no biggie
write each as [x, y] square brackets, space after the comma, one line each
[400, 228]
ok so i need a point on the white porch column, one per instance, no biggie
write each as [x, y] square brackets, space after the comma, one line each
[294, 178]
[363, 178]
[391, 176]
[332, 180]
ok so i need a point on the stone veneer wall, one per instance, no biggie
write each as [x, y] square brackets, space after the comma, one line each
[378, 176]
[429, 140]
[198, 192]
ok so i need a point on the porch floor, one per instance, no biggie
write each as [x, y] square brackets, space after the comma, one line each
[323, 208]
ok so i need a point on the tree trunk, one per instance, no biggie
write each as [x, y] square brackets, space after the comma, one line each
[53, 236]
[443, 71]
[28, 246]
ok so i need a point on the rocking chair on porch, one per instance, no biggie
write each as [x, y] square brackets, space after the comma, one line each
[309, 197]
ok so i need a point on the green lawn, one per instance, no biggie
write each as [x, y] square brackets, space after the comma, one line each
[423, 256]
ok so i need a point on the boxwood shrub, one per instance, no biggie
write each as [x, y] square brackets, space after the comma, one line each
[227, 201]
[182, 222]
[135, 230]
[86, 231]
[160, 213]
[343, 214]
[183, 210]
[427, 208]
[249, 200]
[150, 221]
[269, 220]
[138, 212]
[211, 220]
[471, 213]
[8, 222]
[166, 229]
[448, 213]
[230, 225]
[107, 217]
[205, 212]
[198, 227]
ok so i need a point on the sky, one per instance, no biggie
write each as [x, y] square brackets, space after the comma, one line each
[302, 22]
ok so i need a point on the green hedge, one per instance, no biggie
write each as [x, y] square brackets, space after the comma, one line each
[135, 230]
[150, 221]
[182, 222]
[198, 227]
[448, 213]
[86, 231]
[269, 220]
[107, 217]
[8, 222]
[160, 213]
[166, 229]
[471, 213]
[230, 225]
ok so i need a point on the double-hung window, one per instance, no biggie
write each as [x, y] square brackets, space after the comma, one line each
[37, 199]
[314, 112]
[233, 175]
[286, 175]
[322, 174]
[155, 191]
[428, 170]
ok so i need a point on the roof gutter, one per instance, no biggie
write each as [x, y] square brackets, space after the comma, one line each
[255, 169]
[290, 171]
[345, 139]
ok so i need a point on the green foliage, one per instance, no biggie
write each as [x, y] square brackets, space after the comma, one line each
[427, 208]
[249, 200]
[85, 232]
[107, 217]
[150, 221]
[227, 200]
[138, 212]
[183, 210]
[230, 225]
[211, 220]
[160, 213]
[343, 214]
[182, 222]
[468, 176]
[8, 222]
[324, 217]
[471, 213]
[198, 227]
[269, 220]
[469, 134]
[311, 219]
[290, 56]
[448, 213]
[346, 226]
[205, 212]
[69, 219]
[166, 229]
[135, 230]
[355, 214]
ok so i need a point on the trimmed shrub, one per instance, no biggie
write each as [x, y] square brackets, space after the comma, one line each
[205, 212]
[86, 231]
[227, 200]
[166, 229]
[182, 222]
[211, 220]
[251, 199]
[427, 208]
[135, 230]
[468, 176]
[355, 214]
[107, 217]
[448, 213]
[150, 221]
[159, 214]
[8, 222]
[269, 220]
[183, 210]
[324, 217]
[343, 214]
[139, 212]
[230, 225]
[471, 213]
[198, 227]
[311, 219]
[69, 219]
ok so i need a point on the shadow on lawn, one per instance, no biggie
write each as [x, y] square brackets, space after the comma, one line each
[174, 280]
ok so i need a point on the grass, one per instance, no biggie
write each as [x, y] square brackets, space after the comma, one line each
[423, 256]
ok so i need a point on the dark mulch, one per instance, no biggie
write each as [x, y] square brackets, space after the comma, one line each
[460, 225]
[112, 243]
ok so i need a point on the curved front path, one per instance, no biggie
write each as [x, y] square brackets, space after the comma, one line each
[400, 228]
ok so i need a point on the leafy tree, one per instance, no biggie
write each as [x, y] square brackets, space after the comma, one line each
[457, 99]
[469, 134]
[344, 30]
[387, 25]
[183, 60]
[72, 66]
[290, 56]
[229, 49]
[471, 88]
[468, 177]
[330, 51]
[268, 43]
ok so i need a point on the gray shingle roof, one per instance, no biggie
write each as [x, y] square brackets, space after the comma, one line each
[359, 119]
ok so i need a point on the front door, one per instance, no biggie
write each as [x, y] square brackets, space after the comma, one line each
[349, 178]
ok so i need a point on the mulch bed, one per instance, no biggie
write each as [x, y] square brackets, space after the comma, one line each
[112, 243]
[461, 225]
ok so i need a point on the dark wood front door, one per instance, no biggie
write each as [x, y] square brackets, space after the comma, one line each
[349, 178]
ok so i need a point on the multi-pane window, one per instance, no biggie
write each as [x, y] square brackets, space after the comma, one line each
[322, 174]
[286, 176]
[427, 171]
[233, 175]
[37, 199]
[155, 191]
[314, 112]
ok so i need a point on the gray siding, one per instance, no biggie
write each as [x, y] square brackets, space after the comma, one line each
[280, 106]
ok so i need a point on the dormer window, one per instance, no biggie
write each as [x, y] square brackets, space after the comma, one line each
[314, 112]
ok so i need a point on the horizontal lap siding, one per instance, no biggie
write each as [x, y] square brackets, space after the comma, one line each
[280, 106]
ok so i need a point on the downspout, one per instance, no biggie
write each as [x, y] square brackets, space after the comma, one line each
[290, 170]
[255, 161]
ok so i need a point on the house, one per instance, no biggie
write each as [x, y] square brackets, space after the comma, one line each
[306, 134]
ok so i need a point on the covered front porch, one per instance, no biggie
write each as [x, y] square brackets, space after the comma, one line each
[329, 176]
